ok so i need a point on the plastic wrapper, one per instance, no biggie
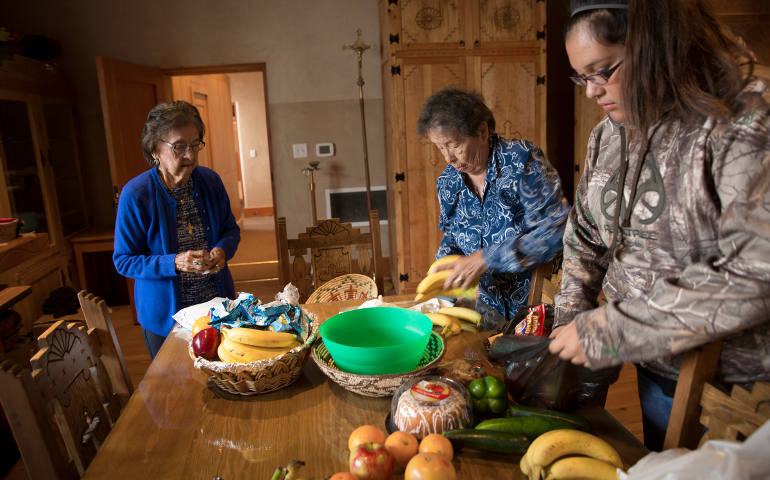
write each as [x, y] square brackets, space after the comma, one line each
[715, 459]
[535, 377]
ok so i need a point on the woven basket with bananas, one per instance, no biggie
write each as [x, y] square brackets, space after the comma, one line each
[257, 361]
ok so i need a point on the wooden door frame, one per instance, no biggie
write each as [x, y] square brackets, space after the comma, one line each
[239, 68]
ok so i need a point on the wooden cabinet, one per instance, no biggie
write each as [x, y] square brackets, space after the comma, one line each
[40, 174]
[494, 47]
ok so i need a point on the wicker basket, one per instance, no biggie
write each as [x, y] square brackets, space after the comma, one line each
[377, 385]
[351, 286]
[8, 227]
[262, 376]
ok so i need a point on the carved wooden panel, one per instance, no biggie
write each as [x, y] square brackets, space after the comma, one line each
[418, 236]
[431, 21]
[507, 21]
[507, 86]
[734, 416]
[70, 377]
[329, 263]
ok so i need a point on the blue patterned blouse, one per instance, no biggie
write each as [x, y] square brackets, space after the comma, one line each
[519, 222]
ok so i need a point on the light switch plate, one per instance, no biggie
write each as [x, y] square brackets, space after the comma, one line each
[299, 150]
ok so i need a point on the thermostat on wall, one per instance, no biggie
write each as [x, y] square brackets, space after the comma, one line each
[324, 149]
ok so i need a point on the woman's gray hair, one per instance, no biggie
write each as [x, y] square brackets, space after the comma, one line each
[164, 117]
[455, 109]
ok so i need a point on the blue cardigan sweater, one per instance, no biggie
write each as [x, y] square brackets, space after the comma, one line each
[146, 245]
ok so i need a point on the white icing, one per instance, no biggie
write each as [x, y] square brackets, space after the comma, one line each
[421, 419]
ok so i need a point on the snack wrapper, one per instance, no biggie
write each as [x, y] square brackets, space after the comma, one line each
[535, 323]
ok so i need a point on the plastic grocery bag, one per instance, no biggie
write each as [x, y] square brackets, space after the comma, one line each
[715, 459]
[535, 377]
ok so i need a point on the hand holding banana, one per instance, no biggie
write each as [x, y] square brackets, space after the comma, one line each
[465, 270]
[442, 276]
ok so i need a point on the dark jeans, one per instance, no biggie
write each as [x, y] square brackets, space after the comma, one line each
[656, 395]
[153, 342]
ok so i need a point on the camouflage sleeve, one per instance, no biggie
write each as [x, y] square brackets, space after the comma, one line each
[712, 298]
[583, 265]
[545, 216]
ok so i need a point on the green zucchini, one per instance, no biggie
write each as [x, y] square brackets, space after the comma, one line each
[488, 441]
[528, 426]
[579, 423]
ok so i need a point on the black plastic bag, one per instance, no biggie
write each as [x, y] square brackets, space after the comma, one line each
[533, 376]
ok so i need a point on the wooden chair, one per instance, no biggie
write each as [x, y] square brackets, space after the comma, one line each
[351, 286]
[98, 317]
[545, 282]
[331, 243]
[62, 409]
[698, 403]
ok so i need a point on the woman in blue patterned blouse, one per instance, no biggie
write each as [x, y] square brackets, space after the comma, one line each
[501, 202]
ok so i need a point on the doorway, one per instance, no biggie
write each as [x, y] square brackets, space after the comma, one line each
[233, 105]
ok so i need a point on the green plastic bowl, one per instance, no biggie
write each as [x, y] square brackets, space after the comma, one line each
[377, 340]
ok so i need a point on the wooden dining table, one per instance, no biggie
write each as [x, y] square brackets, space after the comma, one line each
[178, 424]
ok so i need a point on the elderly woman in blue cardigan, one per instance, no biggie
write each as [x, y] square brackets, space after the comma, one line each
[174, 230]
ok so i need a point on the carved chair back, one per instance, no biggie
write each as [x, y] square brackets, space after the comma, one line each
[63, 408]
[98, 316]
[331, 244]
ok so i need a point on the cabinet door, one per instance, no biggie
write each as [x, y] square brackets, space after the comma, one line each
[21, 167]
[63, 157]
[418, 236]
[510, 89]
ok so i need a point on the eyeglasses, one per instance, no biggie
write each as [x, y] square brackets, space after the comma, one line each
[598, 79]
[181, 148]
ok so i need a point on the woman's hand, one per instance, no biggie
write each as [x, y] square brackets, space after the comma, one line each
[565, 344]
[465, 270]
[217, 260]
[192, 261]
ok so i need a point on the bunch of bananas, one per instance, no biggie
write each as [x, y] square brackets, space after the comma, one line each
[455, 320]
[570, 454]
[433, 285]
[246, 345]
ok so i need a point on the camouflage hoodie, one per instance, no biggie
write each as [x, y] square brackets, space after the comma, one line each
[692, 263]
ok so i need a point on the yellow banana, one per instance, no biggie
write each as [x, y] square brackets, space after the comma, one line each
[463, 314]
[433, 281]
[452, 292]
[249, 353]
[226, 356]
[523, 465]
[451, 324]
[260, 338]
[443, 261]
[580, 468]
[558, 443]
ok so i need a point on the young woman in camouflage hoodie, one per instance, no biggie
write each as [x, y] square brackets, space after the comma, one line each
[672, 214]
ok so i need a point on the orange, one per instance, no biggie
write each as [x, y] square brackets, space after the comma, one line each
[343, 476]
[402, 445]
[365, 434]
[437, 443]
[429, 466]
[200, 324]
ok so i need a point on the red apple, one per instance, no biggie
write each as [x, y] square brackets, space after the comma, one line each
[371, 461]
[205, 343]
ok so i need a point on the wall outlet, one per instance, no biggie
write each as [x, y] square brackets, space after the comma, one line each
[252, 153]
[299, 150]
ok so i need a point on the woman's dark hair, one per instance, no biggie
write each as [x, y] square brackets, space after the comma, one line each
[168, 116]
[679, 61]
[452, 108]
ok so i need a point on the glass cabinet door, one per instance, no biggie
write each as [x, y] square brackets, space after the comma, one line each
[62, 155]
[19, 167]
